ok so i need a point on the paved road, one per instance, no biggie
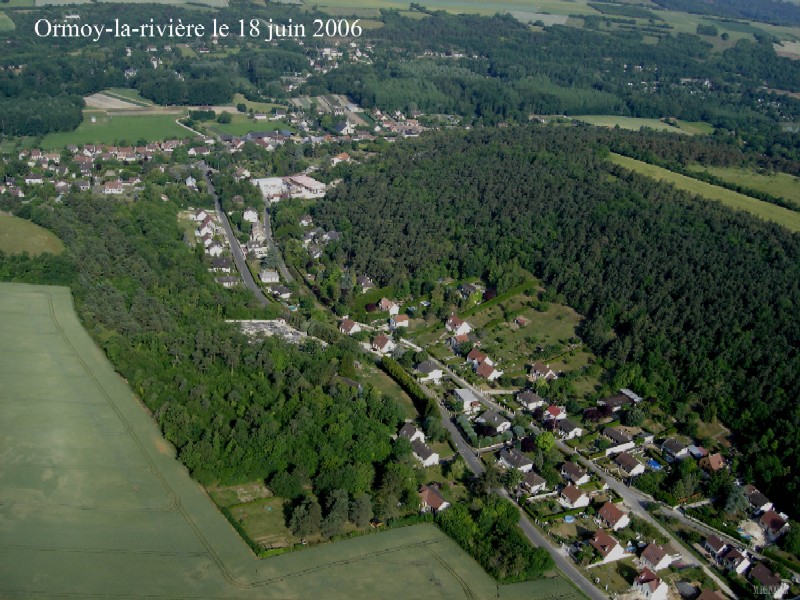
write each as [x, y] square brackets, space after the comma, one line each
[287, 277]
[466, 384]
[236, 249]
[637, 502]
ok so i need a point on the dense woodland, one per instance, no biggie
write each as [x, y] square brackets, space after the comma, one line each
[778, 12]
[689, 302]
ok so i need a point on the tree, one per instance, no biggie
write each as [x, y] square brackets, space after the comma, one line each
[634, 416]
[338, 511]
[224, 117]
[241, 107]
[361, 510]
[545, 441]
[306, 518]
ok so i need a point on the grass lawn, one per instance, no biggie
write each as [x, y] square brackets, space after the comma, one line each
[618, 575]
[18, 236]
[635, 124]
[782, 185]
[265, 107]
[769, 212]
[387, 386]
[88, 485]
[129, 95]
[242, 125]
[110, 129]
[6, 24]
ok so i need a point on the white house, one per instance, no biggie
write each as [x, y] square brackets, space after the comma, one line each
[269, 276]
[530, 400]
[428, 371]
[608, 548]
[572, 472]
[650, 586]
[387, 305]
[457, 326]
[568, 429]
[383, 344]
[572, 497]
[628, 464]
[200, 216]
[470, 402]
[349, 327]
[398, 321]
[533, 483]
[734, 560]
[411, 433]
[612, 517]
[494, 421]
[431, 499]
[514, 459]
[214, 249]
[423, 454]
[656, 557]
[250, 215]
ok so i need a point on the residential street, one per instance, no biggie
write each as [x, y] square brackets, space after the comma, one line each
[236, 250]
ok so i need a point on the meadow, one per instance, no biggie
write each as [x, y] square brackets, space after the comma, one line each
[93, 503]
[763, 210]
[6, 24]
[242, 125]
[782, 185]
[110, 129]
[635, 124]
[18, 236]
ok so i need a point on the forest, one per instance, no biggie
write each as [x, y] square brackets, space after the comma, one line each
[777, 12]
[686, 301]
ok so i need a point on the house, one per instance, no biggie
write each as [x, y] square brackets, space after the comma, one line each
[554, 413]
[341, 157]
[304, 186]
[656, 557]
[611, 516]
[429, 371]
[572, 472]
[511, 458]
[533, 483]
[281, 291]
[191, 183]
[758, 501]
[568, 429]
[615, 402]
[215, 249]
[494, 422]
[307, 221]
[398, 321]
[773, 524]
[542, 371]
[200, 216]
[424, 454]
[250, 215]
[697, 452]
[387, 305]
[628, 464]
[768, 583]
[609, 548]
[734, 560]
[477, 358]
[530, 400]
[572, 497]
[712, 463]
[269, 276]
[707, 594]
[430, 499]
[411, 433]
[674, 450]
[349, 327]
[469, 401]
[487, 371]
[227, 281]
[112, 187]
[33, 178]
[457, 326]
[383, 344]
[221, 265]
[715, 546]
[364, 282]
[468, 289]
[650, 586]
[618, 437]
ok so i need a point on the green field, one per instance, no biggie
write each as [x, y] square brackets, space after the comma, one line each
[6, 24]
[782, 185]
[484, 7]
[265, 107]
[93, 504]
[636, 124]
[242, 125]
[769, 212]
[18, 236]
[129, 95]
[110, 129]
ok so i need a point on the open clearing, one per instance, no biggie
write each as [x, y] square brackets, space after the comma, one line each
[6, 24]
[105, 101]
[93, 504]
[18, 236]
[113, 128]
[635, 124]
[782, 185]
[764, 210]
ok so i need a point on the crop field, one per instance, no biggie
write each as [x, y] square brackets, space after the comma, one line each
[18, 236]
[110, 129]
[782, 185]
[636, 124]
[764, 210]
[93, 504]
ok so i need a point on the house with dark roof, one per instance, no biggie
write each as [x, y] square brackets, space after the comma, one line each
[628, 464]
[411, 433]
[431, 499]
[735, 560]
[383, 344]
[608, 548]
[758, 501]
[656, 557]
[620, 440]
[715, 546]
[650, 586]
[568, 429]
[514, 459]
[493, 421]
[572, 472]
[457, 326]
[615, 402]
[773, 524]
[571, 497]
[424, 454]
[533, 483]
[530, 400]
[611, 516]
[349, 327]
[712, 463]
[707, 594]
[674, 450]
[767, 582]
[429, 371]
[543, 371]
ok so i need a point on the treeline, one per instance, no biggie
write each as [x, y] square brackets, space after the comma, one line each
[49, 269]
[777, 12]
[40, 115]
[684, 299]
